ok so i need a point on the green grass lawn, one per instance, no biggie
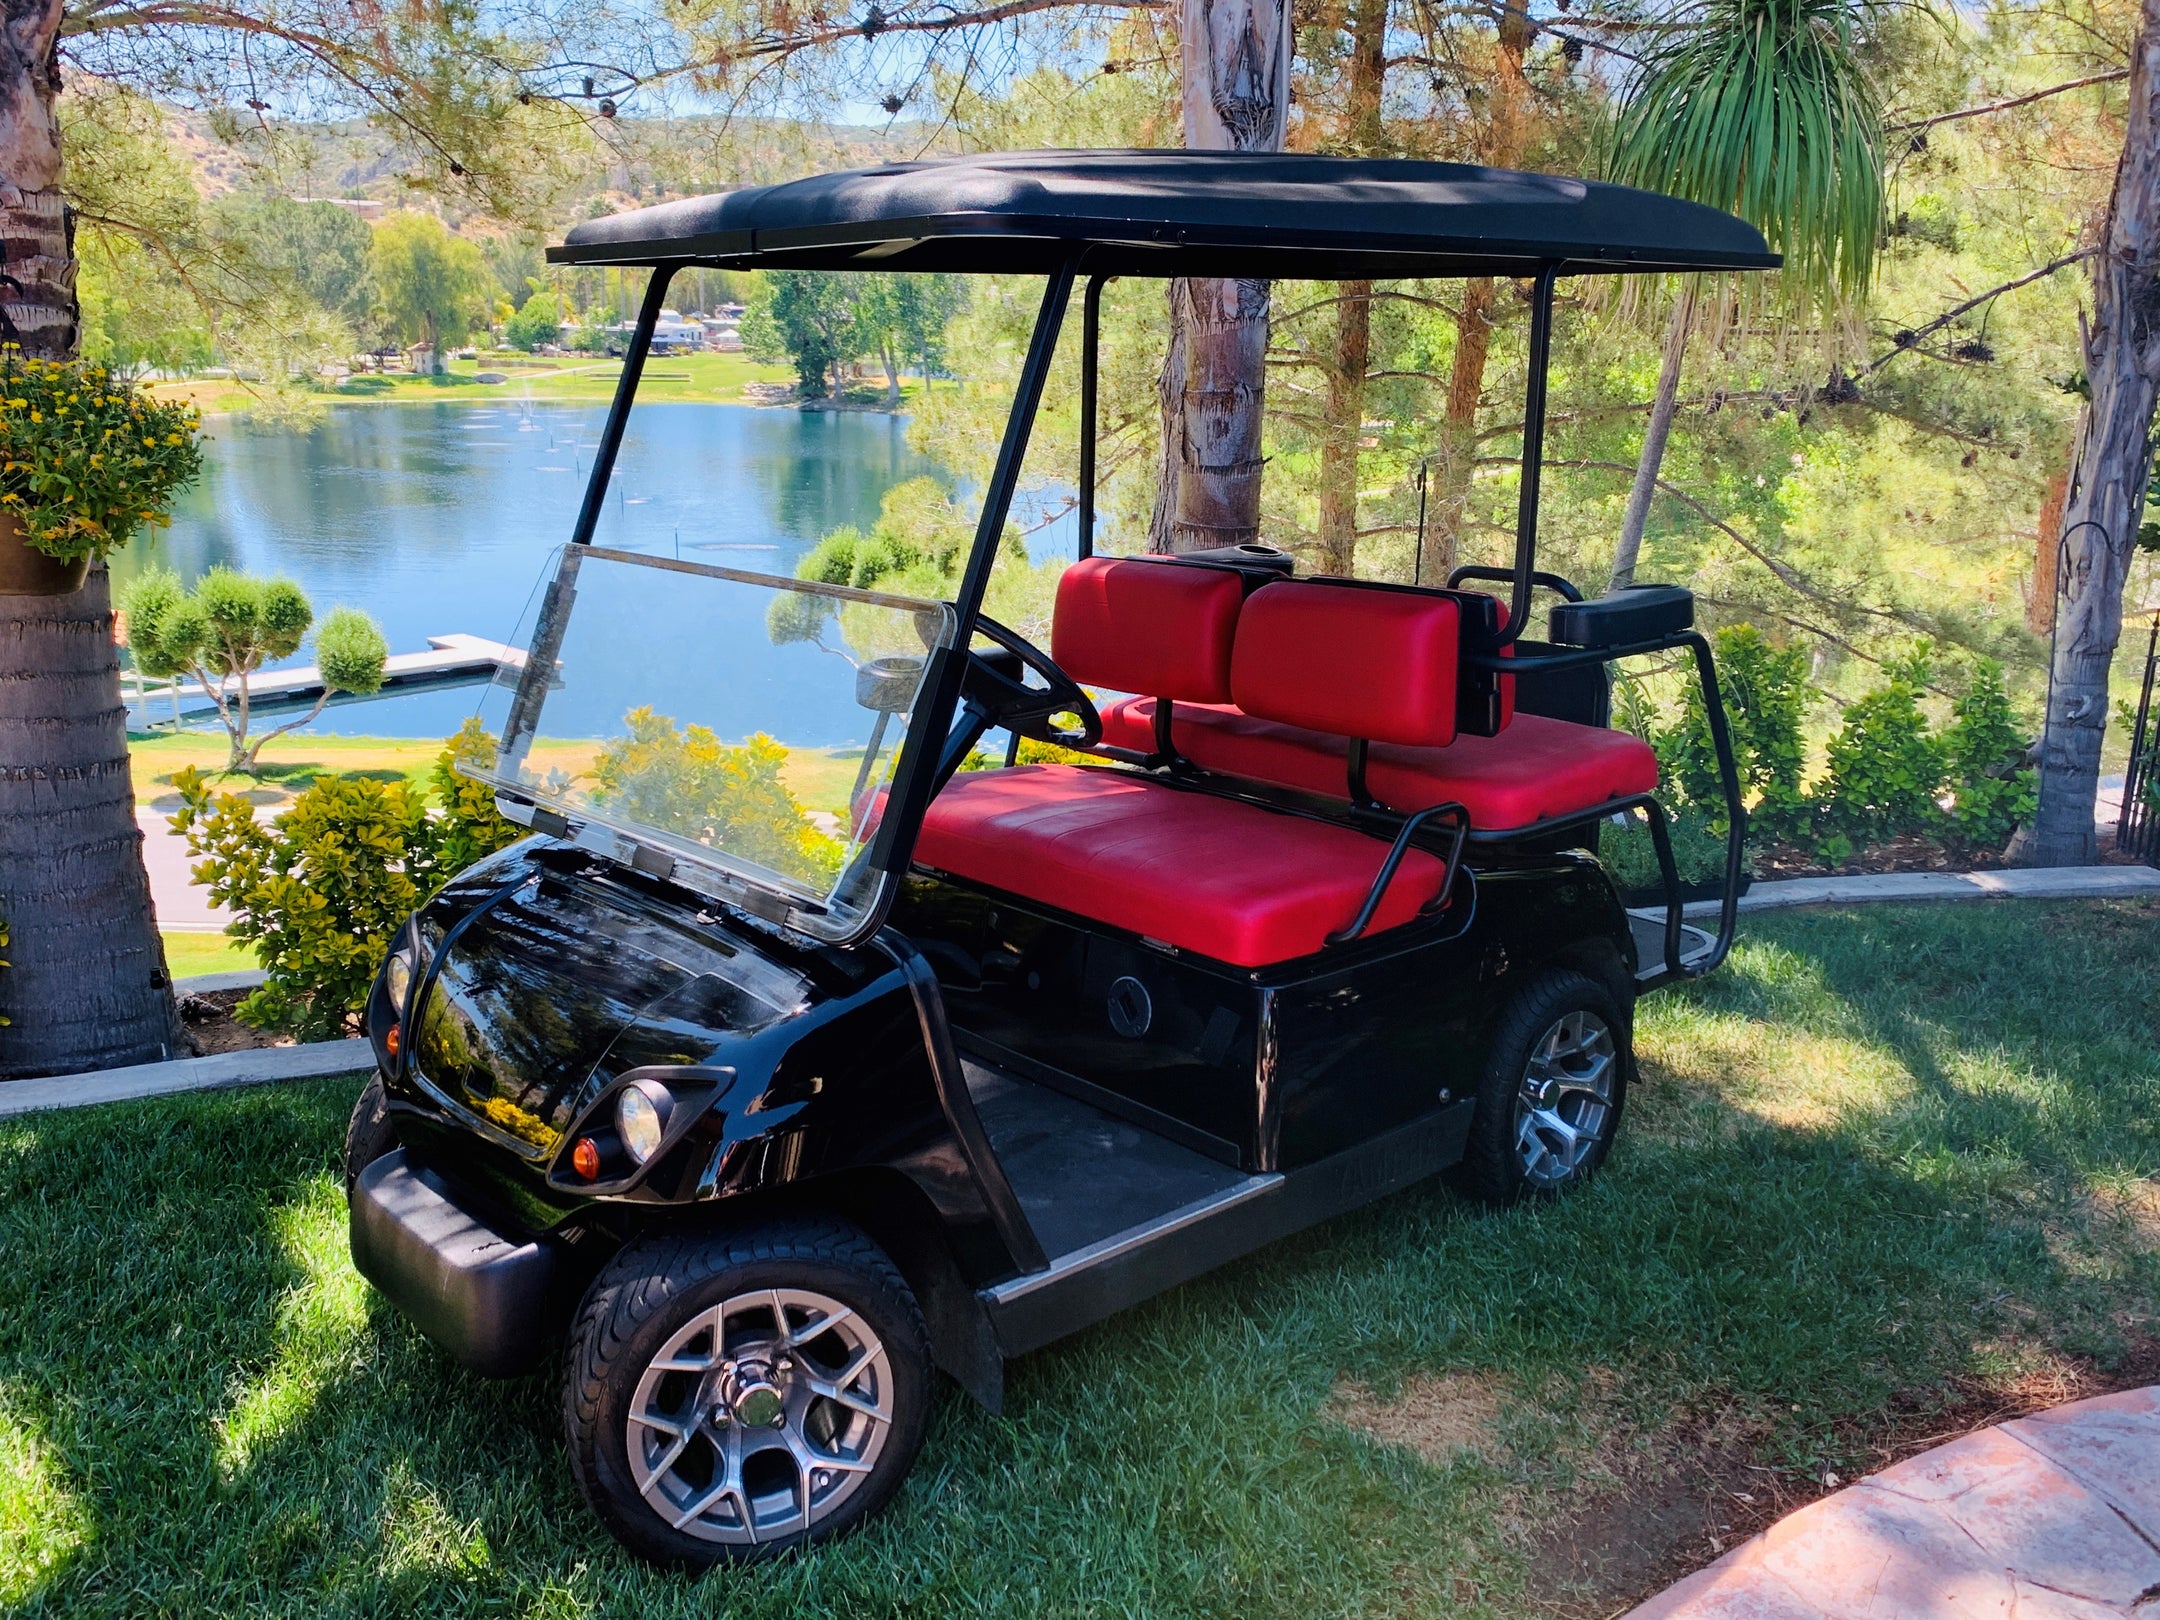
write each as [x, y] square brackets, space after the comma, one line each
[189, 954]
[1884, 1159]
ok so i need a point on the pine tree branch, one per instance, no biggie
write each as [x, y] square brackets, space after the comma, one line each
[2004, 106]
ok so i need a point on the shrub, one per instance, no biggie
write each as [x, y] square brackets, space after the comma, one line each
[1993, 787]
[321, 890]
[1631, 856]
[684, 780]
[1765, 691]
[1885, 765]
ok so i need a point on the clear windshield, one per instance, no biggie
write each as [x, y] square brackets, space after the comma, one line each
[736, 732]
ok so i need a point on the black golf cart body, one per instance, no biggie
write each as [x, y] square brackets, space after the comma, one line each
[1053, 1040]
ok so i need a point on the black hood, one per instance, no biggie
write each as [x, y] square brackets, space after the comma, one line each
[533, 986]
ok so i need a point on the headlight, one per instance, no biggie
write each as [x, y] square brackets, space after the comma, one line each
[641, 1116]
[397, 979]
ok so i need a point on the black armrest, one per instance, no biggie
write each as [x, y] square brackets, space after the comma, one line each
[1635, 613]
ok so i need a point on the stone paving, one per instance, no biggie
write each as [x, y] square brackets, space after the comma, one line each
[2051, 1517]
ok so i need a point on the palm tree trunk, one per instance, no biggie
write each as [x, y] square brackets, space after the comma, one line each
[2108, 471]
[1237, 98]
[87, 987]
[1637, 516]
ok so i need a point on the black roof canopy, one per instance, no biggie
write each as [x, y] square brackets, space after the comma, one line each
[1168, 213]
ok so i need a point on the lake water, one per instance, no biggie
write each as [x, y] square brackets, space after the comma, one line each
[439, 519]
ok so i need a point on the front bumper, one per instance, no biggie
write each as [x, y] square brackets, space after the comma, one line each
[481, 1295]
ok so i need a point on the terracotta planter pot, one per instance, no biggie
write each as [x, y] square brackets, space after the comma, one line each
[26, 571]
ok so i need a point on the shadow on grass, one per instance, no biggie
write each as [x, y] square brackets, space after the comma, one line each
[238, 1426]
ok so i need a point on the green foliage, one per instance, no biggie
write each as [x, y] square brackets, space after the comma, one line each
[229, 627]
[804, 317]
[1765, 691]
[85, 460]
[685, 781]
[1631, 855]
[820, 319]
[320, 251]
[321, 890]
[1763, 108]
[1885, 764]
[1993, 786]
[434, 286]
[536, 321]
[350, 651]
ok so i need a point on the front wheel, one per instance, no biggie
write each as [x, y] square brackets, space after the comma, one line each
[732, 1394]
[1554, 1086]
[369, 1134]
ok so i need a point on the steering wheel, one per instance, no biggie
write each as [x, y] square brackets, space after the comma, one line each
[994, 686]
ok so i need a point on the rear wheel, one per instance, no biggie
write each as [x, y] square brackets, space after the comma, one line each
[1554, 1086]
[730, 1395]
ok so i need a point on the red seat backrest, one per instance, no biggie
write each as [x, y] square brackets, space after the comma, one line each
[1162, 629]
[1350, 659]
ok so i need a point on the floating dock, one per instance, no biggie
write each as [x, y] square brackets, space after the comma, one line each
[450, 661]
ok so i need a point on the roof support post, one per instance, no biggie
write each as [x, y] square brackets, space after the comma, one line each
[1090, 367]
[1533, 452]
[1019, 426]
[633, 367]
[916, 775]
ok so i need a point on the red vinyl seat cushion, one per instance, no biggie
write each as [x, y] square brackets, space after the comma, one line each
[1142, 624]
[1215, 876]
[1535, 769]
[1343, 658]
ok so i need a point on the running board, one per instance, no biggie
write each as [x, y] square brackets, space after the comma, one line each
[1079, 1289]
[1648, 928]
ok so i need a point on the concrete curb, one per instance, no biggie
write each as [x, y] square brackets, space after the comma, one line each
[2022, 883]
[237, 979]
[318, 1060]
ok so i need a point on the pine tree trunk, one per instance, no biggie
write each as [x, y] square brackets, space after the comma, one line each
[2047, 556]
[1501, 147]
[2108, 469]
[1637, 516]
[87, 987]
[1363, 135]
[1345, 426]
[1237, 97]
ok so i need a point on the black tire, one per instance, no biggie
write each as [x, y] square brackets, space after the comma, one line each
[370, 1134]
[1496, 1167]
[653, 1292]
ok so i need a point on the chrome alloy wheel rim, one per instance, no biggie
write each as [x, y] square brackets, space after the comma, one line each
[760, 1416]
[1564, 1107]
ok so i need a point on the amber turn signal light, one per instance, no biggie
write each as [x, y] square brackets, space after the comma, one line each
[392, 1039]
[585, 1158]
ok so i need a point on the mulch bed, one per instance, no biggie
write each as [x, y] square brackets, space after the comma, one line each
[211, 1026]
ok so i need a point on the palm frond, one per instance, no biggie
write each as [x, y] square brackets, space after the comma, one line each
[1764, 108]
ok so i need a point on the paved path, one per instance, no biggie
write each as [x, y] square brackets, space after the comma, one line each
[2051, 1517]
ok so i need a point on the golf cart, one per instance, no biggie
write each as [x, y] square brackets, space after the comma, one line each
[775, 1109]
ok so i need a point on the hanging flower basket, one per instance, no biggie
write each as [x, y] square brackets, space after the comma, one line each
[85, 461]
[27, 571]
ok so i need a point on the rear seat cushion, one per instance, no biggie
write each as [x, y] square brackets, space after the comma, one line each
[1357, 662]
[1140, 625]
[1535, 769]
[1215, 876]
